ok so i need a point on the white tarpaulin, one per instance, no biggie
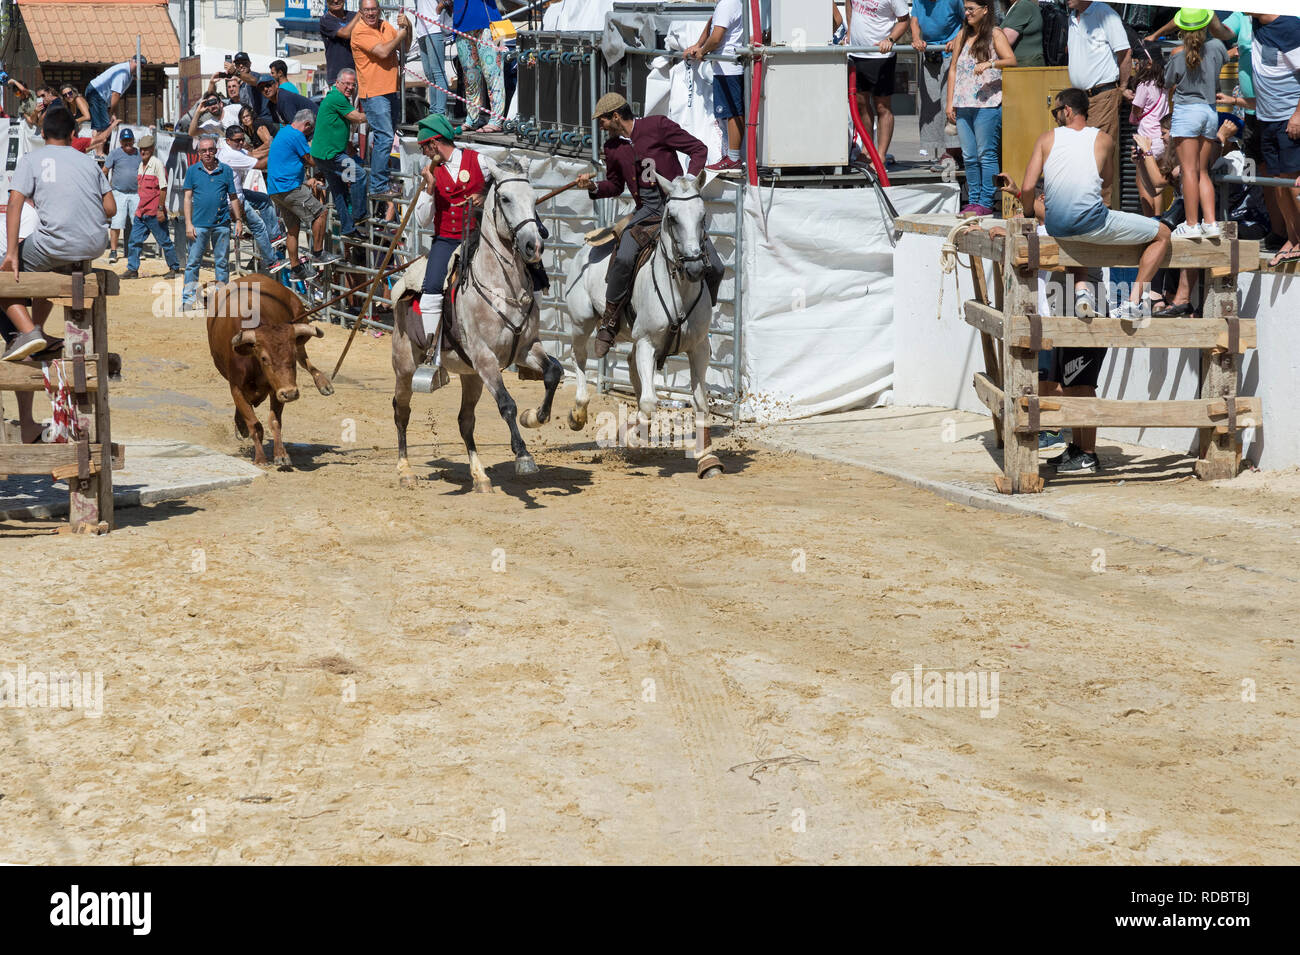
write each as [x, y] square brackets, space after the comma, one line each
[684, 91]
[818, 304]
[577, 15]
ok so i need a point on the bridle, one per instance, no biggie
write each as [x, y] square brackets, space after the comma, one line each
[676, 269]
[677, 263]
[497, 211]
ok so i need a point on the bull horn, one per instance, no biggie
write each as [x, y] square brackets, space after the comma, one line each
[304, 330]
[247, 337]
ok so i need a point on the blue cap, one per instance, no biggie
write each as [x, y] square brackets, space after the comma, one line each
[265, 78]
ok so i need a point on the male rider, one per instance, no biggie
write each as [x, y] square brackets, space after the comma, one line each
[636, 150]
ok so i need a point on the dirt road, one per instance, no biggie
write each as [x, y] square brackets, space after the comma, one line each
[615, 662]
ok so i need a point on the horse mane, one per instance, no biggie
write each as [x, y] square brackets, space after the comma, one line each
[469, 246]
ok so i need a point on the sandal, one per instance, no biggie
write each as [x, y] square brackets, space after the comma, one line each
[490, 128]
[1173, 311]
[1284, 256]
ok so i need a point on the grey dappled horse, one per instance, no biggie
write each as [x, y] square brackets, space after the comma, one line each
[494, 319]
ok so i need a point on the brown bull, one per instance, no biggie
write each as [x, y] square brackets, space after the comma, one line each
[257, 340]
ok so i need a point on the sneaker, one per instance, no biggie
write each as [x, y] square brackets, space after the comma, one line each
[1133, 311]
[279, 242]
[1076, 461]
[130, 274]
[981, 210]
[276, 266]
[326, 258]
[390, 193]
[28, 343]
[300, 272]
[1187, 231]
[1050, 441]
[1085, 305]
[725, 164]
[1211, 230]
[112, 257]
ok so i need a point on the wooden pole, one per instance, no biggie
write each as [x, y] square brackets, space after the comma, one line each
[1220, 454]
[1019, 369]
[555, 192]
[353, 291]
[370, 294]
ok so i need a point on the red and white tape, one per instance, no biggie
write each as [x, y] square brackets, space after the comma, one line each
[450, 29]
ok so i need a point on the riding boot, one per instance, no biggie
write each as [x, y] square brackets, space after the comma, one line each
[431, 375]
[609, 325]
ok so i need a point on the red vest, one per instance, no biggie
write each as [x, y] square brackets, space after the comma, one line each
[450, 204]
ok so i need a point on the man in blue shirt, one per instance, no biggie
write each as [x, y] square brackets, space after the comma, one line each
[105, 91]
[935, 21]
[211, 201]
[296, 200]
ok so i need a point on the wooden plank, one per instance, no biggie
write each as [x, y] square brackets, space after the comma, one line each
[26, 376]
[44, 285]
[984, 317]
[989, 393]
[979, 243]
[103, 431]
[1066, 331]
[936, 225]
[1220, 452]
[1019, 374]
[1057, 254]
[988, 345]
[52, 458]
[1109, 413]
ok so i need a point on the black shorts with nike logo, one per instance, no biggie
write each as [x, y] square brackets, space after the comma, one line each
[1076, 367]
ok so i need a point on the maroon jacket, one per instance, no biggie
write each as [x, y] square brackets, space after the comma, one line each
[656, 141]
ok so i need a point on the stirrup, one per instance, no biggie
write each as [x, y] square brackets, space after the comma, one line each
[429, 378]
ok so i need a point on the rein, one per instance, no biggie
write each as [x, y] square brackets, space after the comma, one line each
[505, 261]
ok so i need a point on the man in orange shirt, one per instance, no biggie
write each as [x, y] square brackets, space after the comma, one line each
[378, 50]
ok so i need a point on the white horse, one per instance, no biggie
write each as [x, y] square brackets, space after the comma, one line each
[494, 319]
[669, 310]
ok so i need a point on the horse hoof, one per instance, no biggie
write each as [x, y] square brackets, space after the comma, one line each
[524, 464]
[482, 487]
[708, 467]
[577, 419]
[529, 418]
[407, 482]
[283, 462]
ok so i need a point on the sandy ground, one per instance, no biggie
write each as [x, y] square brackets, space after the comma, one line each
[616, 662]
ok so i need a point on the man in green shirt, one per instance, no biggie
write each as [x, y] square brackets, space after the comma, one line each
[1023, 26]
[344, 175]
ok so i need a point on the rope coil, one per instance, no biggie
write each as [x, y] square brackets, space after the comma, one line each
[948, 257]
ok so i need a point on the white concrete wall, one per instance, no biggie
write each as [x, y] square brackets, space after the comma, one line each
[936, 357]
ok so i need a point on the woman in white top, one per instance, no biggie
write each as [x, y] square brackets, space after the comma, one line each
[975, 101]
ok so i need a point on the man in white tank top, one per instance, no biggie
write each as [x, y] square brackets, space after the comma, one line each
[1074, 160]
